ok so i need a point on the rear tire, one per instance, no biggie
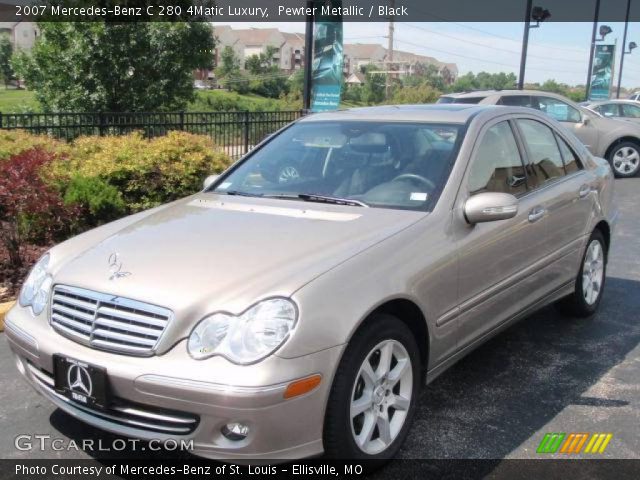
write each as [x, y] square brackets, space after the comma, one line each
[371, 407]
[625, 159]
[589, 285]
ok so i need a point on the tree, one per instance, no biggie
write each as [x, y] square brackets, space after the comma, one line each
[416, 95]
[6, 51]
[267, 80]
[99, 66]
[373, 90]
[484, 81]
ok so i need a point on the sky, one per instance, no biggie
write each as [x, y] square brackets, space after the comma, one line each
[557, 50]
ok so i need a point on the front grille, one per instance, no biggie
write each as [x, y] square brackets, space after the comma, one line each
[123, 412]
[107, 322]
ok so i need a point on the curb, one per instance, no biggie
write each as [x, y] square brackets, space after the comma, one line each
[4, 308]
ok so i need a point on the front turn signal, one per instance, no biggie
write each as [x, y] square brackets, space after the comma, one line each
[302, 386]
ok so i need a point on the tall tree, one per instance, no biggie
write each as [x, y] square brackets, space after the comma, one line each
[97, 66]
[6, 51]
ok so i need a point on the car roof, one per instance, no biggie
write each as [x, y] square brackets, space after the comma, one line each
[487, 93]
[618, 100]
[436, 113]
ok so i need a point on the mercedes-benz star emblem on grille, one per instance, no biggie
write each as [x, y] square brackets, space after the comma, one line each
[115, 267]
[79, 380]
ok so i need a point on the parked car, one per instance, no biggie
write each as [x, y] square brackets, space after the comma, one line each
[272, 320]
[635, 96]
[617, 141]
[619, 109]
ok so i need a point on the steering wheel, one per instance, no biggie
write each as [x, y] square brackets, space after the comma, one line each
[416, 178]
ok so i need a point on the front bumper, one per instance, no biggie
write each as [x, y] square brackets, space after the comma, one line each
[174, 396]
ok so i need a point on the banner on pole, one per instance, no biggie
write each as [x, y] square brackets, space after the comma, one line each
[328, 59]
[602, 73]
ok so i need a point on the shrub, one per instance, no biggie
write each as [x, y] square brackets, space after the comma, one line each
[147, 172]
[14, 142]
[99, 202]
[30, 209]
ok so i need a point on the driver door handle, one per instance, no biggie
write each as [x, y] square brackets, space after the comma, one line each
[536, 214]
[585, 190]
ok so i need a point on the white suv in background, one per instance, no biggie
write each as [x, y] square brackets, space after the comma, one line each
[616, 140]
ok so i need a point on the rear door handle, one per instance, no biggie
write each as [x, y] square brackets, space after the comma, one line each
[536, 214]
[585, 190]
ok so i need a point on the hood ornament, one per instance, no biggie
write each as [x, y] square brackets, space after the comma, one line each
[115, 267]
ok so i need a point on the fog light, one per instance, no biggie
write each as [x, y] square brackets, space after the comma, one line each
[235, 431]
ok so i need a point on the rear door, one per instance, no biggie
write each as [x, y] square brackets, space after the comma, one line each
[556, 173]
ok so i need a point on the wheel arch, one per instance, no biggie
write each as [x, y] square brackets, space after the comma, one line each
[605, 229]
[618, 141]
[409, 313]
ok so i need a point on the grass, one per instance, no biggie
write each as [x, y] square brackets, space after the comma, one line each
[13, 100]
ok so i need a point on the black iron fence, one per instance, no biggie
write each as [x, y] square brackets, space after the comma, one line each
[235, 132]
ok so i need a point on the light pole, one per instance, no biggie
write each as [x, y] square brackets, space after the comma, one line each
[538, 14]
[632, 45]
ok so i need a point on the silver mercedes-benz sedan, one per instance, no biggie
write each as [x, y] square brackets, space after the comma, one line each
[300, 302]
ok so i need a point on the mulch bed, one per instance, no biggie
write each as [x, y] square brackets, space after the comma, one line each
[11, 278]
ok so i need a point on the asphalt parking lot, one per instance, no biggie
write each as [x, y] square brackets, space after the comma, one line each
[546, 374]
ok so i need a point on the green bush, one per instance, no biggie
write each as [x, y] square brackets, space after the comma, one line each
[99, 201]
[147, 172]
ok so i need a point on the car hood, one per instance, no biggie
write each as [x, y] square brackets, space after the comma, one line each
[212, 252]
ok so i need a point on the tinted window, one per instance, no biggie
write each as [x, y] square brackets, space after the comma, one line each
[630, 111]
[571, 161]
[544, 155]
[497, 166]
[383, 164]
[561, 111]
[608, 110]
[518, 101]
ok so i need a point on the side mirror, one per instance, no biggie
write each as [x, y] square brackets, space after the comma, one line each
[490, 206]
[209, 181]
[585, 120]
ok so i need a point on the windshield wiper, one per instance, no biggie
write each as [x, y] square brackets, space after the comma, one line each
[307, 197]
[332, 200]
[241, 194]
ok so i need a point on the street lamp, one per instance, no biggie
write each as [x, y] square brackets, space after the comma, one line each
[539, 15]
[603, 31]
[632, 45]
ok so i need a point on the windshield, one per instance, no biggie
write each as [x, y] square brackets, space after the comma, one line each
[375, 164]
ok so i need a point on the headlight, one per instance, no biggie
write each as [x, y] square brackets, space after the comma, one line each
[36, 288]
[247, 338]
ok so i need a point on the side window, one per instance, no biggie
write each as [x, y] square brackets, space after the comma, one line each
[630, 111]
[608, 110]
[544, 155]
[517, 101]
[571, 161]
[561, 111]
[497, 165]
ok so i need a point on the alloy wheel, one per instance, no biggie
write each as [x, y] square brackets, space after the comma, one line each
[593, 272]
[381, 397]
[626, 160]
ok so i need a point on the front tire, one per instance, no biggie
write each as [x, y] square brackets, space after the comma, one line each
[625, 159]
[375, 389]
[589, 286]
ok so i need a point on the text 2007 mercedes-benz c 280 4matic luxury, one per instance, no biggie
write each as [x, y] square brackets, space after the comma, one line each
[300, 302]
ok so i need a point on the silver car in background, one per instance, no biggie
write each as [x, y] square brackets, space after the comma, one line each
[616, 140]
[619, 109]
[278, 317]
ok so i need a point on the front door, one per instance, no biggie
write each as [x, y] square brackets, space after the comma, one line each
[496, 258]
